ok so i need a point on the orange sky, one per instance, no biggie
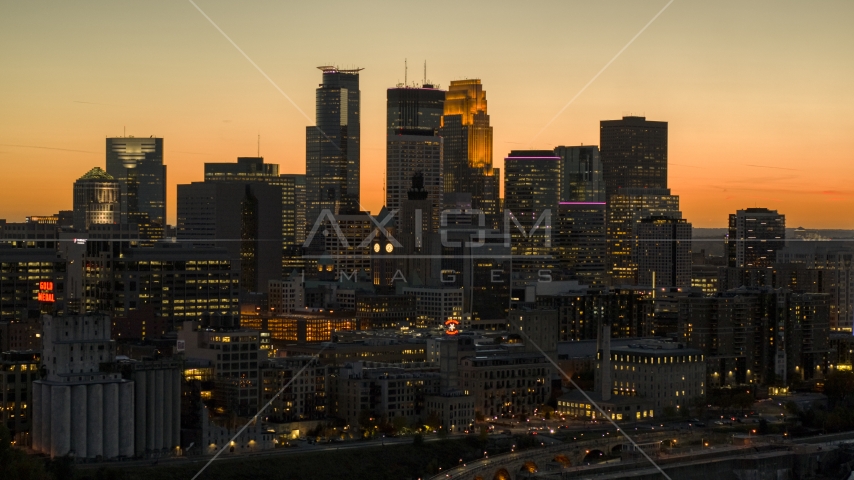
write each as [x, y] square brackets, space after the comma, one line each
[758, 94]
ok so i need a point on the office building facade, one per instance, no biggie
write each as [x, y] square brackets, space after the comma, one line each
[755, 235]
[96, 199]
[663, 252]
[625, 211]
[137, 164]
[532, 184]
[581, 174]
[332, 145]
[468, 146]
[251, 170]
[633, 152]
[243, 218]
[580, 239]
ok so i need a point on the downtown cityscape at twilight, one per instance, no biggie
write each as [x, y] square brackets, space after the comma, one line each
[412, 241]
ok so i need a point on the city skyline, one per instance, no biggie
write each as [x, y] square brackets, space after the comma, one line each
[748, 104]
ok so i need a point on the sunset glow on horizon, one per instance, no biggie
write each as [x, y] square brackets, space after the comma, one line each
[757, 96]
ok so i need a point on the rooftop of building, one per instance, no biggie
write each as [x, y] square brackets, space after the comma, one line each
[656, 347]
[96, 173]
[596, 397]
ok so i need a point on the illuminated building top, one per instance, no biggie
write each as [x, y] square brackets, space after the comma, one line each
[331, 69]
[466, 98]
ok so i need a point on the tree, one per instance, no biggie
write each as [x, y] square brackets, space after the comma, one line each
[742, 400]
[15, 464]
[839, 386]
[399, 424]
[699, 406]
[433, 421]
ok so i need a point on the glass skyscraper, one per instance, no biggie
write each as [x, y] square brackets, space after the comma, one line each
[413, 145]
[581, 174]
[137, 164]
[531, 196]
[332, 145]
[633, 153]
[468, 145]
[253, 169]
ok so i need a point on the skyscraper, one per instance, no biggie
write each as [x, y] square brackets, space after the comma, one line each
[633, 153]
[414, 109]
[253, 169]
[755, 235]
[532, 183]
[625, 210]
[245, 218]
[581, 174]
[663, 252]
[332, 145]
[96, 199]
[413, 144]
[137, 164]
[468, 145]
[580, 239]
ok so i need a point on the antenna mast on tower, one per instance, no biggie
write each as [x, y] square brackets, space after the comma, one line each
[405, 73]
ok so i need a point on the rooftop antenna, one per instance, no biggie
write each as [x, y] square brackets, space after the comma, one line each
[405, 73]
[125, 131]
[425, 73]
[259, 145]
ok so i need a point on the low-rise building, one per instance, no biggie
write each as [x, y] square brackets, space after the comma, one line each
[305, 395]
[235, 357]
[437, 304]
[361, 346]
[506, 384]
[386, 392]
[18, 371]
[667, 374]
[305, 326]
[620, 408]
[454, 410]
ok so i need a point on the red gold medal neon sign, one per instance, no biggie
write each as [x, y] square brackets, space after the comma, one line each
[46, 292]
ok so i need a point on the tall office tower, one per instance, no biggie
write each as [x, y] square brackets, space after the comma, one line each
[292, 258]
[633, 153]
[332, 145]
[414, 109]
[413, 144]
[298, 182]
[531, 198]
[754, 237]
[581, 174]
[245, 218]
[663, 252]
[625, 211]
[96, 199]
[248, 170]
[417, 232]
[580, 238]
[468, 146]
[137, 164]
